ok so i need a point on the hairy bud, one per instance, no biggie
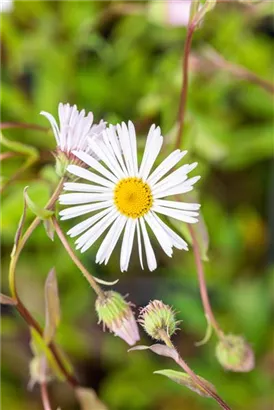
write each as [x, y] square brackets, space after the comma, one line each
[116, 314]
[235, 354]
[156, 318]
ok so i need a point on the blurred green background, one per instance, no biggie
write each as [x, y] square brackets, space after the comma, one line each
[123, 61]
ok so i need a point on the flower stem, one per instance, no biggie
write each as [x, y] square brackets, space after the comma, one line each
[45, 396]
[7, 125]
[97, 289]
[187, 369]
[183, 98]
[202, 284]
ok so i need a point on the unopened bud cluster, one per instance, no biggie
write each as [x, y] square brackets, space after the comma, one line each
[235, 354]
[116, 314]
[157, 318]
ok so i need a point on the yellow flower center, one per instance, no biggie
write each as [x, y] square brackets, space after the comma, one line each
[133, 197]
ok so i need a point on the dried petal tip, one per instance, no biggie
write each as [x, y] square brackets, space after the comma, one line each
[117, 316]
[235, 354]
[157, 317]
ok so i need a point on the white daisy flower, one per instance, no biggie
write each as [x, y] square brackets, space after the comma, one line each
[125, 197]
[75, 129]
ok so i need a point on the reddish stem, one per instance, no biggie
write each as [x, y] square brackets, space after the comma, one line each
[7, 125]
[202, 284]
[183, 97]
[45, 396]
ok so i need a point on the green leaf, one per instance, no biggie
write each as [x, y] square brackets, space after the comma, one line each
[18, 233]
[185, 380]
[37, 210]
[208, 6]
[52, 306]
[19, 147]
[39, 348]
[88, 399]
[49, 228]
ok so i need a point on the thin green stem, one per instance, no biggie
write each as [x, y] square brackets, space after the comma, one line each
[166, 339]
[202, 284]
[97, 289]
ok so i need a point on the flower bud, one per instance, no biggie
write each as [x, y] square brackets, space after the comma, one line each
[117, 316]
[39, 371]
[156, 318]
[235, 354]
[62, 162]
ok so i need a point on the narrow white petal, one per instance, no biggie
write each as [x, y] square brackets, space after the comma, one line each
[75, 211]
[125, 146]
[111, 239]
[139, 240]
[152, 149]
[84, 198]
[115, 144]
[133, 145]
[176, 177]
[53, 124]
[177, 241]
[127, 244]
[150, 255]
[161, 235]
[87, 239]
[185, 206]
[89, 176]
[180, 215]
[181, 188]
[80, 187]
[166, 166]
[89, 160]
[84, 225]
[107, 156]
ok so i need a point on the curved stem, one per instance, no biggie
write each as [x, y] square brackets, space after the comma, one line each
[45, 396]
[77, 262]
[7, 125]
[187, 369]
[202, 284]
[183, 98]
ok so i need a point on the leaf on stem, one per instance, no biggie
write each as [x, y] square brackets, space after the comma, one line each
[208, 6]
[18, 147]
[6, 300]
[49, 228]
[207, 335]
[161, 350]
[104, 282]
[37, 210]
[52, 306]
[88, 399]
[185, 380]
[18, 233]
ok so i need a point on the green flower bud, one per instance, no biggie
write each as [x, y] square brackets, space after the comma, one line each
[235, 354]
[116, 314]
[62, 162]
[157, 317]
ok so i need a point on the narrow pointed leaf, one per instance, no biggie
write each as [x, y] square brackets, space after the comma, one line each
[37, 210]
[88, 399]
[208, 333]
[52, 306]
[104, 282]
[6, 300]
[18, 233]
[159, 349]
[185, 380]
[49, 228]
[18, 147]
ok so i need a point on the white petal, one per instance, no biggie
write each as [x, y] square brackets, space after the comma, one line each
[127, 244]
[181, 215]
[166, 166]
[115, 144]
[139, 240]
[80, 187]
[151, 260]
[181, 188]
[133, 145]
[53, 124]
[160, 233]
[95, 164]
[87, 239]
[89, 176]
[177, 205]
[75, 211]
[153, 146]
[177, 241]
[83, 198]
[175, 177]
[111, 240]
[84, 225]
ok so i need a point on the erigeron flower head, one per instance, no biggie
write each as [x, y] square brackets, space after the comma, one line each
[116, 314]
[125, 197]
[156, 318]
[73, 133]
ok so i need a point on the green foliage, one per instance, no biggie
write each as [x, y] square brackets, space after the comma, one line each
[119, 61]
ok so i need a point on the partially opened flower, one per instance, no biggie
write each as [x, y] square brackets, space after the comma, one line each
[126, 197]
[74, 132]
